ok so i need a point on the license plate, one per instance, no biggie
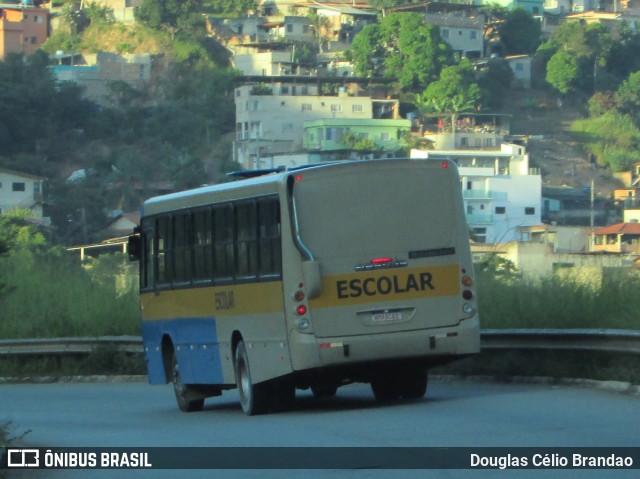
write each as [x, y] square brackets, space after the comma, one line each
[385, 317]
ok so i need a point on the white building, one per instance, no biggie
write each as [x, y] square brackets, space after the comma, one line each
[463, 33]
[270, 119]
[22, 191]
[501, 193]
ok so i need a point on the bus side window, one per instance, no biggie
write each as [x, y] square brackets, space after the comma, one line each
[247, 241]
[148, 257]
[223, 249]
[202, 245]
[269, 247]
[163, 265]
[181, 249]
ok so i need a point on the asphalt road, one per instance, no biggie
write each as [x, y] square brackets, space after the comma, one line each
[454, 414]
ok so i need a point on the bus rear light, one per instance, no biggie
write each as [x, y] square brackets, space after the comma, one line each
[466, 294]
[301, 310]
[299, 296]
[467, 280]
[445, 164]
[303, 324]
[468, 308]
[381, 260]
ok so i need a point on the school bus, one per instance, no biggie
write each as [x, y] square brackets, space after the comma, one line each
[309, 278]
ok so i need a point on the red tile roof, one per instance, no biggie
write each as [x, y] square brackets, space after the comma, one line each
[620, 229]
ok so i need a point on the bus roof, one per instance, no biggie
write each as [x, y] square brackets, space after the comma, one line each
[268, 182]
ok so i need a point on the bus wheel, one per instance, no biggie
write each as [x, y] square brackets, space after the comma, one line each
[413, 385]
[183, 392]
[385, 388]
[253, 397]
[324, 390]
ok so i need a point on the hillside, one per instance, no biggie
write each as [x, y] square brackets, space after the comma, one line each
[552, 147]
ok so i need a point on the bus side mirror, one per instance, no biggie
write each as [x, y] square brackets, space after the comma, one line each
[133, 247]
[312, 278]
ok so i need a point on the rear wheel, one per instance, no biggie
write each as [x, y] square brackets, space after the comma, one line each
[184, 393]
[413, 383]
[253, 397]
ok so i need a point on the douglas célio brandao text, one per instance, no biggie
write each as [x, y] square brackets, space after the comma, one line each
[569, 461]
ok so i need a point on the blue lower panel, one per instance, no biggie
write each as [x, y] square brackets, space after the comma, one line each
[196, 345]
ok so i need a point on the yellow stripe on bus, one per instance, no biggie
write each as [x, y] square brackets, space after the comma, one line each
[235, 299]
[388, 285]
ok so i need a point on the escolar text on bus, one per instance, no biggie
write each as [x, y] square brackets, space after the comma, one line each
[382, 285]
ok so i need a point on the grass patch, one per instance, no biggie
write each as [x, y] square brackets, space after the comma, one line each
[572, 299]
[52, 295]
[101, 362]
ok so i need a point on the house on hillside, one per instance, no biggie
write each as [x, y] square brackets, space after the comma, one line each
[462, 30]
[611, 20]
[501, 193]
[23, 28]
[22, 191]
[618, 238]
[98, 71]
[270, 120]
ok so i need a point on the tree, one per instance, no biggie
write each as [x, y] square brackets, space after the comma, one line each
[520, 32]
[404, 47]
[236, 8]
[589, 45]
[627, 97]
[563, 72]
[456, 91]
[172, 16]
[494, 81]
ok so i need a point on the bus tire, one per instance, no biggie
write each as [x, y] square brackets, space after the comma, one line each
[183, 391]
[414, 384]
[385, 388]
[254, 398]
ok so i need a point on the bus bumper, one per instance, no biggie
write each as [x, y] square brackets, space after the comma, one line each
[308, 351]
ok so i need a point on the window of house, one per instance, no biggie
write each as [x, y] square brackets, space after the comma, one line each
[336, 107]
[18, 186]
[529, 210]
[500, 210]
[473, 35]
[287, 127]
[289, 28]
[284, 89]
[479, 234]
[445, 33]
[488, 141]
[306, 107]
[356, 108]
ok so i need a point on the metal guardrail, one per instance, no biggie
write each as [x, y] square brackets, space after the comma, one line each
[612, 340]
[61, 346]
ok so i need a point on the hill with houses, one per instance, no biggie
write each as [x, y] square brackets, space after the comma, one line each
[298, 99]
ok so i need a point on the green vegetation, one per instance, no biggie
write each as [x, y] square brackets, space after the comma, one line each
[566, 300]
[49, 293]
[401, 46]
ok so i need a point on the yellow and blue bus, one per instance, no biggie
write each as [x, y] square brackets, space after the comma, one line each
[314, 278]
